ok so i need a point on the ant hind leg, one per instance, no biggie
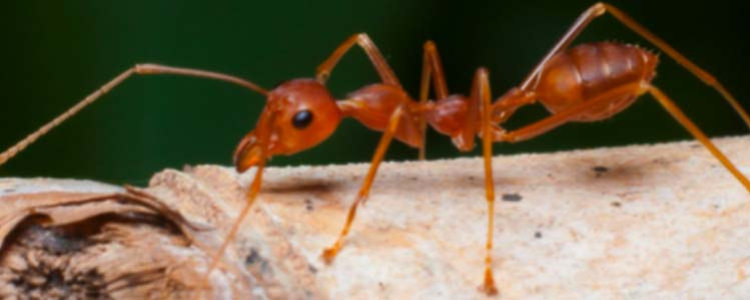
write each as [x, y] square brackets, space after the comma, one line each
[677, 113]
[598, 10]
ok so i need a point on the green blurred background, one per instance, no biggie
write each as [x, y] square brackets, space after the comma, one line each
[56, 52]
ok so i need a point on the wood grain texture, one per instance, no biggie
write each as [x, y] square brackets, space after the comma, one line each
[640, 222]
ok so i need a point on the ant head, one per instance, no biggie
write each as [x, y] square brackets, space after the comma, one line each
[299, 114]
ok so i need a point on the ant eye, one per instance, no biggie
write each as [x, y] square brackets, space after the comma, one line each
[302, 119]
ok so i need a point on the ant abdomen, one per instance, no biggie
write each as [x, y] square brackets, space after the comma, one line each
[588, 71]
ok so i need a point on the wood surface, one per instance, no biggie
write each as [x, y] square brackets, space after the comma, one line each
[641, 222]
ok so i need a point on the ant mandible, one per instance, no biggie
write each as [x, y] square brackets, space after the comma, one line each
[585, 83]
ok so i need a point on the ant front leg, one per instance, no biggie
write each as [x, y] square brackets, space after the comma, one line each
[330, 253]
[364, 41]
[250, 197]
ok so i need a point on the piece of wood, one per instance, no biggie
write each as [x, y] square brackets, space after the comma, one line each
[641, 222]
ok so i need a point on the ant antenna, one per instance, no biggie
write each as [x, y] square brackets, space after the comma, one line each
[140, 69]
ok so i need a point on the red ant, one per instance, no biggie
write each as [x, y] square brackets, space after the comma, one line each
[585, 83]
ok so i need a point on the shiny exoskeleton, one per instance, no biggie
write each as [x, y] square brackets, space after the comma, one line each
[585, 83]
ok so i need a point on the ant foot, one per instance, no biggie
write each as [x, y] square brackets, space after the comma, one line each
[329, 254]
[488, 287]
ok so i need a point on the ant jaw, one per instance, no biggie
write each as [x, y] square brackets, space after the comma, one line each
[248, 154]
[256, 147]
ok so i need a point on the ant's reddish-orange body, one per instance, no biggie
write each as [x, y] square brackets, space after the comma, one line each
[584, 83]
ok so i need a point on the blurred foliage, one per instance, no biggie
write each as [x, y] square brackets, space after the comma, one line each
[56, 52]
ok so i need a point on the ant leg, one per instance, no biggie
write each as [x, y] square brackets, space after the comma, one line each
[559, 118]
[679, 58]
[562, 117]
[573, 32]
[424, 93]
[481, 92]
[431, 64]
[364, 41]
[330, 253]
[263, 139]
[251, 196]
[141, 69]
[600, 9]
[675, 111]
[507, 105]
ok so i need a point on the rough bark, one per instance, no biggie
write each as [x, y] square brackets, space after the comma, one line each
[641, 222]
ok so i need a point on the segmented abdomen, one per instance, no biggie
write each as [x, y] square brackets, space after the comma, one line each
[589, 70]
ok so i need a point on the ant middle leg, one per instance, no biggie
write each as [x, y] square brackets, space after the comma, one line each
[482, 94]
[432, 71]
